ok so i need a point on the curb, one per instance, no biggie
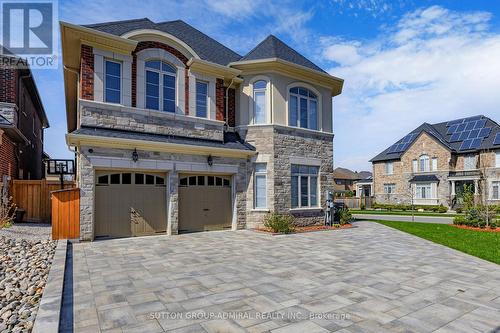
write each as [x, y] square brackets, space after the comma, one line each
[49, 310]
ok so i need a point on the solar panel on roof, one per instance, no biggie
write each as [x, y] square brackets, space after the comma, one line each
[470, 125]
[452, 129]
[466, 144]
[485, 132]
[473, 118]
[476, 143]
[455, 137]
[454, 122]
[497, 139]
[480, 124]
[473, 134]
[464, 135]
[461, 127]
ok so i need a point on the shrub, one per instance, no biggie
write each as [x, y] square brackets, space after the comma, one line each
[281, 223]
[345, 216]
[442, 209]
[362, 206]
[459, 210]
[7, 208]
[459, 220]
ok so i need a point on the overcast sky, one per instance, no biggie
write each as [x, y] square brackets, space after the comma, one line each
[403, 62]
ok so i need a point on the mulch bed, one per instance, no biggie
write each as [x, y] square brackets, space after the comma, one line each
[299, 230]
[476, 228]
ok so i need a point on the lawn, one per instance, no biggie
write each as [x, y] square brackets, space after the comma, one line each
[485, 245]
[401, 212]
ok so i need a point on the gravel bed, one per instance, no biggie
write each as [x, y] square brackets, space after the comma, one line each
[27, 230]
[24, 266]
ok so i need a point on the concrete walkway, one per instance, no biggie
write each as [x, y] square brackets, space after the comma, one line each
[406, 218]
[365, 279]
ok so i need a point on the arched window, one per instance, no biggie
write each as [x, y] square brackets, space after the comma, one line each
[424, 163]
[160, 86]
[259, 98]
[303, 108]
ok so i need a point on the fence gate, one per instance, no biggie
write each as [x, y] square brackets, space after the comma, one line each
[66, 214]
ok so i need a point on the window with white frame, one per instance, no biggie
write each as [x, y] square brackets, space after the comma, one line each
[423, 163]
[304, 186]
[423, 191]
[201, 99]
[389, 168]
[259, 99]
[303, 108]
[160, 85]
[260, 188]
[497, 159]
[112, 81]
[470, 162]
[495, 190]
[434, 164]
[414, 164]
[389, 188]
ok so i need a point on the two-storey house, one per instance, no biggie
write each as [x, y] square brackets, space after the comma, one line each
[432, 164]
[174, 132]
[22, 122]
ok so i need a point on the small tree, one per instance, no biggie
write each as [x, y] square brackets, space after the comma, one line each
[468, 197]
[7, 207]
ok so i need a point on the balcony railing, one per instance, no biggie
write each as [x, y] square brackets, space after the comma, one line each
[465, 173]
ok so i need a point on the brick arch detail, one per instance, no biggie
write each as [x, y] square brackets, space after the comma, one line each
[176, 53]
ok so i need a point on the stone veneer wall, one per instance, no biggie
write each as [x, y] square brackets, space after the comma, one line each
[156, 122]
[277, 146]
[86, 178]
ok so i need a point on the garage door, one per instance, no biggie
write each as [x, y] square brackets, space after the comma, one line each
[204, 203]
[130, 204]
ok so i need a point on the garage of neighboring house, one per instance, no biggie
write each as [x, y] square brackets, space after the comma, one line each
[204, 203]
[130, 204]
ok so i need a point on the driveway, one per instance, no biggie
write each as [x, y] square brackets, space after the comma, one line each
[365, 279]
[406, 218]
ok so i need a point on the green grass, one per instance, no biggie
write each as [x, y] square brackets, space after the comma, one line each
[484, 245]
[400, 212]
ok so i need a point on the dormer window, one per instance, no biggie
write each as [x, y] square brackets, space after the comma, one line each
[160, 85]
[259, 97]
[303, 108]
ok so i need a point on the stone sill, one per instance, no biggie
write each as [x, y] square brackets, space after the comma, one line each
[293, 128]
[305, 209]
[260, 210]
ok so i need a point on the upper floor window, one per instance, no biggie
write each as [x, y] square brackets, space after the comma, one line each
[112, 81]
[415, 165]
[160, 86]
[434, 164]
[201, 99]
[497, 159]
[389, 168]
[303, 108]
[470, 162]
[259, 98]
[424, 163]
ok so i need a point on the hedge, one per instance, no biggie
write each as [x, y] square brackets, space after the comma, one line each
[404, 207]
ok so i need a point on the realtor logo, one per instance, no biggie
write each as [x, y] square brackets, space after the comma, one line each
[28, 30]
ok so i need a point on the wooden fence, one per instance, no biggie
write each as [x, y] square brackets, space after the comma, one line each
[33, 196]
[355, 203]
[66, 214]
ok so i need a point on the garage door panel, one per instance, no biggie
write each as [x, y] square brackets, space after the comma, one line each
[130, 209]
[204, 203]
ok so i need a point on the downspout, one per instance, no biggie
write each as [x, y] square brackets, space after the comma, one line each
[226, 123]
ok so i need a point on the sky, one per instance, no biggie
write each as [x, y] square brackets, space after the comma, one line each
[404, 62]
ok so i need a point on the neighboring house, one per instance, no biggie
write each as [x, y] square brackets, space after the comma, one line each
[364, 187]
[345, 180]
[22, 123]
[433, 162]
[174, 132]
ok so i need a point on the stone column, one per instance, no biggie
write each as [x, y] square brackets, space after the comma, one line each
[476, 186]
[453, 193]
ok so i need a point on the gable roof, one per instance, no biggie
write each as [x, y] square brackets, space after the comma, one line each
[206, 47]
[441, 133]
[273, 47]
[343, 173]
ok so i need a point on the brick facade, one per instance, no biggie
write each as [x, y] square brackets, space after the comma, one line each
[231, 114]
[8, 84]
[87, 73]
[176, 53]
[219, 100]
[8, 167]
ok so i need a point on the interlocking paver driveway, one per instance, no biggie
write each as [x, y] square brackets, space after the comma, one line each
[365, 279]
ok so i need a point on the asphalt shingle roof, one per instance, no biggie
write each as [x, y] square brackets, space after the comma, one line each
[231, 139]
[424, 178]
[206, 47]
[439, 132]
[273, 47]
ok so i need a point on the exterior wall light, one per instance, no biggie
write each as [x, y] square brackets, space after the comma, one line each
[135, 156]
[210, 160]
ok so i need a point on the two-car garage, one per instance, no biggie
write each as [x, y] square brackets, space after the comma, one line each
[136, 203]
